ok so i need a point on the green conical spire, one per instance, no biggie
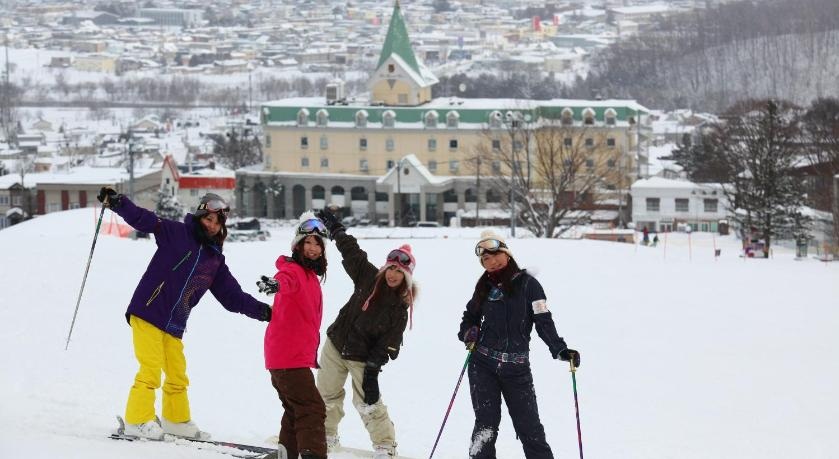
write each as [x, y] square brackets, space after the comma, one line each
[397, 41]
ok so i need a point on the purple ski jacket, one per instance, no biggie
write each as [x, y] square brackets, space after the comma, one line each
[180, 272]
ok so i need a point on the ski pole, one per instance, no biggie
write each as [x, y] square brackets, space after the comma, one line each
[84, 279]
[451, 402]
[576, 405]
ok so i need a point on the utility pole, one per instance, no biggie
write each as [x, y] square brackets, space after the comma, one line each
[130, 142]
[477, 190]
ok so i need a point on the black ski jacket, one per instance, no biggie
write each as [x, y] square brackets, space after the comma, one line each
[374, 335]
[506, 319]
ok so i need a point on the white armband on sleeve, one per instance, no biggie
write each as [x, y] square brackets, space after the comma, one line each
[539, 307]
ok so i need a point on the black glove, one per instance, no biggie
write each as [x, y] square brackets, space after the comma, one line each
[330, 221]
[568, 354]
[266, 313]
[267, 285]
[109, 197]
[470, 336]
[370, 385]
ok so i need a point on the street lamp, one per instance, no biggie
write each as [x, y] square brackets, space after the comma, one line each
[399, 192]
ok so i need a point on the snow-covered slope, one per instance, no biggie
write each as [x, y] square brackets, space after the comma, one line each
[682, 356]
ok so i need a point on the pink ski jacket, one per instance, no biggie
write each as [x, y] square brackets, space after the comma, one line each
[293, 335]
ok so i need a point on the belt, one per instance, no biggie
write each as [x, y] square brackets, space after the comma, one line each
[506, 357]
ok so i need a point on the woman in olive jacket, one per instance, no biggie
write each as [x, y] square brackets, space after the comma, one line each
[366, 334]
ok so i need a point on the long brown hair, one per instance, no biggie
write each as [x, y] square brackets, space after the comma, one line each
[319, 265]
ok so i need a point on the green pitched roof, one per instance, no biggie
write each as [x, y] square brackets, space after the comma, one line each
[397, 41]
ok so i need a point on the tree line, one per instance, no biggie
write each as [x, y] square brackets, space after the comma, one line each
[773, 158]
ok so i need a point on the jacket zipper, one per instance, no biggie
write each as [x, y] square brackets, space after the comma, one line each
[186, 282]
[182, 260]
[155, 293]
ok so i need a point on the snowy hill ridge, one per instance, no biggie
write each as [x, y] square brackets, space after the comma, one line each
[682, 356]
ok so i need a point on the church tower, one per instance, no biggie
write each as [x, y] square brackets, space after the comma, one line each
[400, 78]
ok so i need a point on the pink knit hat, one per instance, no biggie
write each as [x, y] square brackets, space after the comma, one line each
[403, 259]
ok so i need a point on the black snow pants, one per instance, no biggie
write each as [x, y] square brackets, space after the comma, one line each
[489, 379]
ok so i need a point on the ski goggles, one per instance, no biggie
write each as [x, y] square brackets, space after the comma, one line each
[400, 257]
[215, 205]
[489, 246]
[312, 226]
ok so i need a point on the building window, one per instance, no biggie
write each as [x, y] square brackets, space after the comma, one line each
[454, 165]
[567, 117]
[682, 205]
[362, 143]
[568, 142]
[361, 118]
[610, 142]
[323, 118]
[193, 192]
[495, 119]
[496, 144]
[589, 164]
[432, 144]
[453, 144]
[589, 142]
[4, 200]
[431, 119]
[16, 200]
[267, 140]
[389, 119]
[391, 68]
[588, 116]
[610, 164]
[452, 119]
[324, 142]
[389, 145]
[303, 117]
[304, 142]
[610, 117]
[517, 145]
[324, 163]
[403, 98]
[710, 205]
[496, 167]
[653, 204]
[432, 166]
[304, 162]
[390, 164]
[53, 207]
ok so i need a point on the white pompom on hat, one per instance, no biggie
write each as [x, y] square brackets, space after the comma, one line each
[490, 235]
[298, 236]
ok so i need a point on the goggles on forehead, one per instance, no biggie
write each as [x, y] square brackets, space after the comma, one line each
[489, 246]
[313, 226]
[215, 205]
[400, 257]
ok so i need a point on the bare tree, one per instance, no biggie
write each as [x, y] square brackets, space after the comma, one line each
[553, 173]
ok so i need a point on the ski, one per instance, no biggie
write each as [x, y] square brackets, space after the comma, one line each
[238, 450]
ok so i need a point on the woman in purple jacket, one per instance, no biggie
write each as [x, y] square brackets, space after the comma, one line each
[188, 262]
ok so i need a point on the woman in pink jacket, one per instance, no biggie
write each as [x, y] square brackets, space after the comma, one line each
[292, 339]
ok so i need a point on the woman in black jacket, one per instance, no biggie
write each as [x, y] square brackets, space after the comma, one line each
[506, 304]
[366, 334]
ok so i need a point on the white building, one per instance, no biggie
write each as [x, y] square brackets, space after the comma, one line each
[661, 204]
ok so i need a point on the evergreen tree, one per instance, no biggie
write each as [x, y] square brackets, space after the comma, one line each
[168, 206]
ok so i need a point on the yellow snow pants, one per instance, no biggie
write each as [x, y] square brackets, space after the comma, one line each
[157, 350]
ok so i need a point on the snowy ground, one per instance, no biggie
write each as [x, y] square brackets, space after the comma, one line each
[683, 356]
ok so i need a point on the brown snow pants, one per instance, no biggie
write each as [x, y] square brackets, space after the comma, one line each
[302, 426]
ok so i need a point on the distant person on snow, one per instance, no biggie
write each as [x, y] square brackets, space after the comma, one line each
[365, 335]
[188, 262]
[292, 338]
[645, 236]
[506, 304]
